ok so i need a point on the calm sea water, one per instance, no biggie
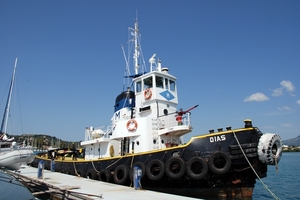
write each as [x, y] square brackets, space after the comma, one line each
[286, 184]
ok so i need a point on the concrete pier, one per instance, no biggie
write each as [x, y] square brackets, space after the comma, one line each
[65, 186]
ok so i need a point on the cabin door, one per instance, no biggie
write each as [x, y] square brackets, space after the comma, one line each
[125, 146]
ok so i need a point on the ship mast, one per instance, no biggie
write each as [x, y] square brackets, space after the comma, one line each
[136, 47]
[7, 107]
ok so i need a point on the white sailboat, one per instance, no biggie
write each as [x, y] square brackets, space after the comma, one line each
[11, 154]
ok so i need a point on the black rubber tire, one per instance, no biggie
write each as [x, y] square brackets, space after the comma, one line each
[153, 167]
[196, 168]
[175, 167]
[81, 172]
[121, 174]
[92, 174]
[219, 162]
[105, 176]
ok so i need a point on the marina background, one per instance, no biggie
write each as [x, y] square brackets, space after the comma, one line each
[236, 59]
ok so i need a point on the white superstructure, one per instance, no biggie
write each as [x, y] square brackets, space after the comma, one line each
[145, 116]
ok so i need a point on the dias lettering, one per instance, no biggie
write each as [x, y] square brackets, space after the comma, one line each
[217, 138]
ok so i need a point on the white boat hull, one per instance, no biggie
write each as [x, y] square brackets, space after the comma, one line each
[12, 159]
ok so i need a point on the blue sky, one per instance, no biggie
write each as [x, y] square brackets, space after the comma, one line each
[236, 59]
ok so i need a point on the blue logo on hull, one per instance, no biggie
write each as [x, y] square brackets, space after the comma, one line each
[167, 95]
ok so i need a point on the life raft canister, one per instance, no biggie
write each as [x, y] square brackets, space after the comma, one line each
[147, 94]
[131, 125]
[269, 148]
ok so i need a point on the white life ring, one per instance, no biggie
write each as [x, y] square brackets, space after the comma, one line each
[147, 94]
[269, 148]
[131, 125]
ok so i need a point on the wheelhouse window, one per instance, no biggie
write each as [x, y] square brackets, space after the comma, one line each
[172, 85]
[148, 83]
[159, 82]
[138, 86]
[167, 84]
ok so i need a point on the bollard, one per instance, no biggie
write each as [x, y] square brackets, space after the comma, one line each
[41, 169]
[137, 175]
[52, 165]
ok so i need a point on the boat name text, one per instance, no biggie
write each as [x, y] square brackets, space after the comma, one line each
[217, 138]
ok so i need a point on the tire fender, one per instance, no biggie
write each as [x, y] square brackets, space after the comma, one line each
[219, 162]
[269, 148]
[121, 174]
[155, 169]
[105, 176]
[175, 167]
[196, 168]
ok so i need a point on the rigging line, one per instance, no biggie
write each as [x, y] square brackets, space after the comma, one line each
[20, 111]
[266, 187]
[127, 70]
[5, 93]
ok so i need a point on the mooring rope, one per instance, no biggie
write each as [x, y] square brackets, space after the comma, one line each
[95, 167]
[276, 164]
[113, 163]
[75, 169]
[266, 187]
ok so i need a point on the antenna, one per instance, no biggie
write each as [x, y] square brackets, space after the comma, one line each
[152, 62]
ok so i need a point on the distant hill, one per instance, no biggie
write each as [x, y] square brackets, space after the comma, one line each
[292, 142]
[41, 141]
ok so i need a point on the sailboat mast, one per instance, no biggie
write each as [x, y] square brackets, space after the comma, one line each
[7, 107]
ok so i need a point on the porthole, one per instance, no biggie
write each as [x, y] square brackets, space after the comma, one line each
[165, 111]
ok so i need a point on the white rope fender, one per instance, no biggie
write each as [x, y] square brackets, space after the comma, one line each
[266, 187]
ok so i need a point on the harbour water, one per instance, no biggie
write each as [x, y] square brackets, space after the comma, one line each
[286, 184]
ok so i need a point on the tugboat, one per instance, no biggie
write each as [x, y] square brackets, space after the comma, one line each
[147, 132]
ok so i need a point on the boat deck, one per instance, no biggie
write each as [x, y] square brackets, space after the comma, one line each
[82, 188]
